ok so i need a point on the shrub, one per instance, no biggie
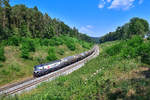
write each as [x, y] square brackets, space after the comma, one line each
[70, 43]
[135, 41]
[145, 52]
[61, 52]
[44, 42]
[131, 49]
[28, 44]
[58, 41]
[71, 46]
[25, 53]
[85, 45]
[129, 52]
[2, 57]
[127, 49]
[13, 41]
[51, 54]
[1, 65]
[115, 49]
[52, 42]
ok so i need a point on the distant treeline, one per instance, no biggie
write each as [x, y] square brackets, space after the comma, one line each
[136, 26]
[30, 22]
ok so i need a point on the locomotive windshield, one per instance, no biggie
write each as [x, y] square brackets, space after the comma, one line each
[38, 68]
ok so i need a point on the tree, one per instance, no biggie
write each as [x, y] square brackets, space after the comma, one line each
[138, 26]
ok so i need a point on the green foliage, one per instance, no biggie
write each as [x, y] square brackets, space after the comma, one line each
[24, 53]
[145, 52]
[115, 49]
[86, 45]
[136, 26]
[71, 46]
[13, 41]
[132, 48]
[28, 44]
[44, 42]
[2, 56]
[61, 52]
[5, 72]
[51, 54]
[87, 83]
[70, 43]
[1, 65]
[30, 22]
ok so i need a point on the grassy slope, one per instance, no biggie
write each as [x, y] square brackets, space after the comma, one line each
[104, 78]
[16, 68]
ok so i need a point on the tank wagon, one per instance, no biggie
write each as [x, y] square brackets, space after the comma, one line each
[43, 69]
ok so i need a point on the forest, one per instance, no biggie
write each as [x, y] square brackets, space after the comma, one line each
[21, 21]
[136, 26]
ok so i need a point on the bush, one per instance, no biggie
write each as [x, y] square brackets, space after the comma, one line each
[61, 52]
[71, 46]
[13, 41]
[131, 49]
[58, 41]
[127, 49]
[136, 41]
[28, 44]
[115, 49]
[2, 57]
[129, 52]
[145, 52]
[44, 42]
[25, 53]
[51, 54]
[52, 42]
[85, 45]
[1, 65]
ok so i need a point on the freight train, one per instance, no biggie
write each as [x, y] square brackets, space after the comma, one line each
[43, 69]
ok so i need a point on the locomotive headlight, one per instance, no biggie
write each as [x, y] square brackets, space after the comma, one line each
[35, 71]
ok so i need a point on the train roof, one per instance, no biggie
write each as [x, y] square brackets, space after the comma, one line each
[47, 63]
[66, 58]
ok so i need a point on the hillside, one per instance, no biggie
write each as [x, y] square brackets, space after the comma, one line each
[107, 77]
[19, 61]
[28, 38]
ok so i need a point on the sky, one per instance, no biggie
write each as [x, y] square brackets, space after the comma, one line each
[92, 17]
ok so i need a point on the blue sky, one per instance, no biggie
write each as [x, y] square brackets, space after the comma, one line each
[93, 17]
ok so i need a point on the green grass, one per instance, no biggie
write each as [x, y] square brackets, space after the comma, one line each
[105, 78]
[16, 68]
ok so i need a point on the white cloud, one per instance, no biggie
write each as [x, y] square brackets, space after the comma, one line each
[118, 4]
[89, 26]
[101, 6]
[123, 4]
[108, 1]
[141, 1]
[87, 29]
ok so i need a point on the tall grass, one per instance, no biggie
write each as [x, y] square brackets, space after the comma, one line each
[93, 81]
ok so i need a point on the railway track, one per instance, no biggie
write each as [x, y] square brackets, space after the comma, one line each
[31, 83]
